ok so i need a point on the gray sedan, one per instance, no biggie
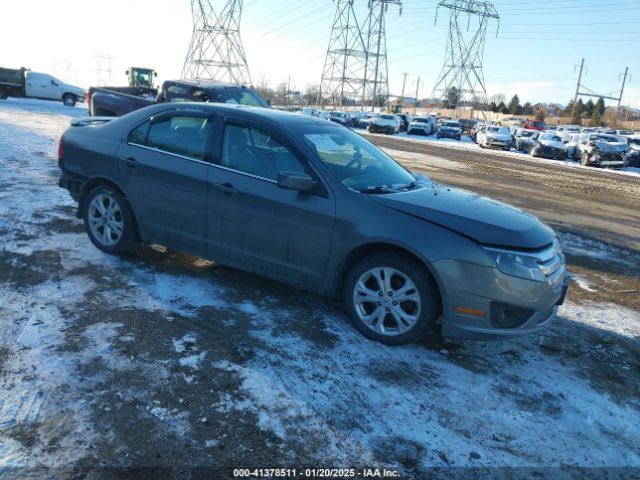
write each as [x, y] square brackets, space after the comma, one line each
[314, 205]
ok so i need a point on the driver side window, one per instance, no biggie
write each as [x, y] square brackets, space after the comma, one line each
[256, 152]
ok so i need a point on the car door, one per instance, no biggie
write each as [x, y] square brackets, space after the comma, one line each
[163, 168]
[36, 85]
[254, 224]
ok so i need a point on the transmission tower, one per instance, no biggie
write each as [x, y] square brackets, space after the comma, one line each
[216, 52]
[355, 69]
[103, 69]
[461, 81]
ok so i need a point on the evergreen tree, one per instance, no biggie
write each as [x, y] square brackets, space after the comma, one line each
[596, 119]
[514, 105]
[576, 114]
[493, 107]
[527, 109]
[502, 108]
[568, 111]
[599, 107]
[588, 108]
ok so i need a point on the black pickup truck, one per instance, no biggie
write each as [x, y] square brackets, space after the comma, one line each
[115, 102]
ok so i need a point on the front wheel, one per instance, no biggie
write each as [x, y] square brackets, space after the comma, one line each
[69, 100]
[391, 299]
[584, 159]
[3, 94]
[109, 221]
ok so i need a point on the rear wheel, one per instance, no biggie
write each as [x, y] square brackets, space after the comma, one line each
[391, 299]
[109, 220]
[69, 100]
[3, 94]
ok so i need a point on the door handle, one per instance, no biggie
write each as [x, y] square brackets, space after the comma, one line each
[130, 162]
[224, 188]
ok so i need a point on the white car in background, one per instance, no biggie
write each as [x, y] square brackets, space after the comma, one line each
[572, 142]
[384, 123]
[496, 137]
[420, 126]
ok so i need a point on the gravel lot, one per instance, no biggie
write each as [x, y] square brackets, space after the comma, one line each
[179, 368]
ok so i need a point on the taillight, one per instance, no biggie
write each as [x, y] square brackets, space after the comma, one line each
[60, 151]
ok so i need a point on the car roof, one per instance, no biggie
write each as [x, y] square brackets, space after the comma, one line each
[257, 113]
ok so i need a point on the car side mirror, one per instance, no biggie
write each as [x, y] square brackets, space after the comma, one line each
[53, 82]
[269, 102]
[300, 182]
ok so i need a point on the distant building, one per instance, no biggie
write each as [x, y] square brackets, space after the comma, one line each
[552, 109]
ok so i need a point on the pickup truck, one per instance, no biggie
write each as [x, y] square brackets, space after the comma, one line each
[23, 82]
[115, 102]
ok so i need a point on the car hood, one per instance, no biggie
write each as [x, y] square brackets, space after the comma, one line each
[611, 147]
[484, 220]
[499, 136]
[385, 123]
[552, 144]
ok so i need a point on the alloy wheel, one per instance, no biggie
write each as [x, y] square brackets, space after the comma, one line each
[105, 220]
[386, 301]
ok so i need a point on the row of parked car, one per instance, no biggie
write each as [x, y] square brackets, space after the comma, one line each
[390, 123]
[590, 146]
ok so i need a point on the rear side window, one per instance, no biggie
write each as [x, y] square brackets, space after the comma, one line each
[181, 135]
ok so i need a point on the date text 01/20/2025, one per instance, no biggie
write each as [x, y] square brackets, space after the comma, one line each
[315, 473]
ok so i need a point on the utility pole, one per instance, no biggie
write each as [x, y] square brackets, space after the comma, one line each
[624, 81]
[404, 82]
[415, 108]
[575, 99]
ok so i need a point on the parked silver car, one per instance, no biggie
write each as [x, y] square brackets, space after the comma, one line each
[315, 205]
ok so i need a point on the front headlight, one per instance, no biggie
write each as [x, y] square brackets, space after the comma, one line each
[517, 265]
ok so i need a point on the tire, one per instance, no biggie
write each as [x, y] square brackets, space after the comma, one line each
[458, 138]
[393, 323]
[409, 132]
[69, 100]
[103, 202]
[584, 159]
[3, 95]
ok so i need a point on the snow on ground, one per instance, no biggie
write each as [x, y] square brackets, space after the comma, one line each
[466, 143]
[74, 374]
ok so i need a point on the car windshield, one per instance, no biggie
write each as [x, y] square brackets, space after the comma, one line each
[387, 117]
[421, 120]
[527, 133]
[550, 137]
[235, 96]
[608, 138]
[356, 162]
[502, 130]
[539, 124]
[452, 124]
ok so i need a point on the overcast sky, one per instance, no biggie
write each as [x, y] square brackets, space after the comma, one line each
[534, 55]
